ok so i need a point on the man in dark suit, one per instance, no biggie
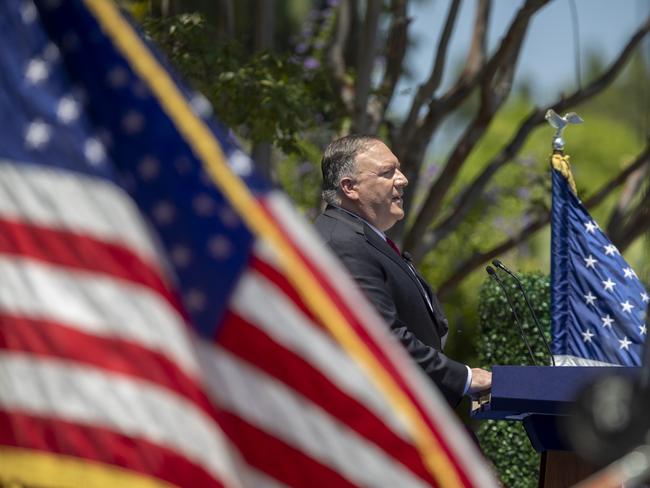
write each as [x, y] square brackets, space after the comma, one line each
[363, 186]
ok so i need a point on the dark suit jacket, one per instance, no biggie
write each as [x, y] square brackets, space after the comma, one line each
[393, 288]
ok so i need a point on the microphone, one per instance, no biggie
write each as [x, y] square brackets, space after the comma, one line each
[502, 267]
[493, 275]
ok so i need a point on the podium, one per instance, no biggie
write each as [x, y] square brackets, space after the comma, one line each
[540, 397]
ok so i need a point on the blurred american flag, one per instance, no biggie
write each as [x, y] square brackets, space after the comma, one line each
[166, 317]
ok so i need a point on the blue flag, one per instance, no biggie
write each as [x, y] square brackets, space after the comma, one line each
[598, 303]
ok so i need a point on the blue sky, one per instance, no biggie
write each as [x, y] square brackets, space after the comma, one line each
[548, 55]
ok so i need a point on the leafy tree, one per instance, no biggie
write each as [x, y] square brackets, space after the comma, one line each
[347, 58]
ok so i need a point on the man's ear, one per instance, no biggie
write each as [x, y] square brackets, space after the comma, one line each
[348, 188]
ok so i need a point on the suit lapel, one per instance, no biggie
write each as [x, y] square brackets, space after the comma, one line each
[373, 239]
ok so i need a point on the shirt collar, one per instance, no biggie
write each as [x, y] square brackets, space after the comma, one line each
[379, 233]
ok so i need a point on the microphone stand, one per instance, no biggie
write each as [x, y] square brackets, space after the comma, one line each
[502, 267]
[493, 275]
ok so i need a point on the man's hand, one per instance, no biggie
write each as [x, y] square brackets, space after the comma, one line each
[481, 382]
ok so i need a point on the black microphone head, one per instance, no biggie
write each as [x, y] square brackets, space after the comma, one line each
[490, 270]
[407, 255]
[497, 263]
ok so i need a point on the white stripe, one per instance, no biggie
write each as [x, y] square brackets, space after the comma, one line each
[85, 395]
[567, 360]
[95, 304]
[74, 202]
[287, 325]
[292, 418]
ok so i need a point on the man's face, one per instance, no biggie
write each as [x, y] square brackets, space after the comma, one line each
[375, 192]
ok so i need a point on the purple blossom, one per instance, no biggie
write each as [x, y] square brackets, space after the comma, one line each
[333, 3]
[311, 63]
[301, 48]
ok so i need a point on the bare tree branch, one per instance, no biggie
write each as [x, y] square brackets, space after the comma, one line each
[335, 52]
[427, 89]
[479, 258]
[494, 92]
[395, 52]
[472, 192]
[617, 218]
[365, 63]
[411, 150]
[440, 107]
[637, 224]
[478, 47]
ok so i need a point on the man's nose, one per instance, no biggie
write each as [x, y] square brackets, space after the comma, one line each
[400, 179]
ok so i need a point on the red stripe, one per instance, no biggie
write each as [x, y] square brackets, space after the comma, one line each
[281, 461]
[81, 252]
[374, 347]
[254, 346]
[48, 339]
[18, 429]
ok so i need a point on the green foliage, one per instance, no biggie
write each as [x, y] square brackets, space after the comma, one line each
[264, 97]
[506, 443]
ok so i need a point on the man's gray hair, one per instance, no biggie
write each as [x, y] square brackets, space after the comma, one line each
[339, 162]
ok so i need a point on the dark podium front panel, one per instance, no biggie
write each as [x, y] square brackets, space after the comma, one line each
[539, 396]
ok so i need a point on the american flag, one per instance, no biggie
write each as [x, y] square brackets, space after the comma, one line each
[598, 303]
[165, 317]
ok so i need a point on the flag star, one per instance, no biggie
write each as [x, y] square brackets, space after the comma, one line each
[625, 343]
[149, 168]
[195, 300]
[629, 273]
[228, 217]
[204, 205]
[67, 110]
[645, 297]
[590, 299]
[607, 321]
[611, 250]
[51, 52]
[38, 133]
[181, 256]
[627, 306]
[240, 163]
[133, 122]
[591, 226]
[36, 71]
[28, 12]
[590, 262]
[94, 151]
[200, 105]
[164, 213]
[587, 335]
[643, 330]
[118, 77]
[220, 247]
[609, 285]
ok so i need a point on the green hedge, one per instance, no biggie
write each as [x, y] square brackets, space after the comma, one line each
[506, 443]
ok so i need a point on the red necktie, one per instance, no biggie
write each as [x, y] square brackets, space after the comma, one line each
[394, 246]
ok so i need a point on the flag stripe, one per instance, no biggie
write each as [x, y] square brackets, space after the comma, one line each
[324, 438]
[279, 459]
[98, 444]
[54, 388]
[58, 199]
[80, 252]
[48, 339]
[300, 375]
[95, 304]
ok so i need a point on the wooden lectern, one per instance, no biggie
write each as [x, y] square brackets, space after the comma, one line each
[540, 397]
